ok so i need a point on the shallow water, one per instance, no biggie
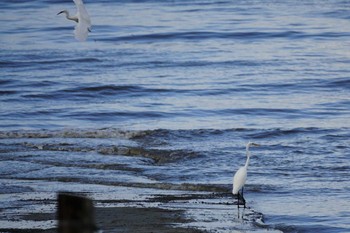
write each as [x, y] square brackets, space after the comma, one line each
[162, 99]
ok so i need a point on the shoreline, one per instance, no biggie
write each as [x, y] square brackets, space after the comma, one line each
[175, 213]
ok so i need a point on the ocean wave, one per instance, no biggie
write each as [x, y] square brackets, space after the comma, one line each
[133, 90]
[169, 134]
[211, 35]
[340, 83]
[97, 90]
[312, 226]
[72, 133]
[278, 132]
[30, 63]
[157, 155]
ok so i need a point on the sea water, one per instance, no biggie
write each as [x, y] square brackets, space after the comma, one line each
[164, 95]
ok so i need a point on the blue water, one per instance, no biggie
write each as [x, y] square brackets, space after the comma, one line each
[189, 81]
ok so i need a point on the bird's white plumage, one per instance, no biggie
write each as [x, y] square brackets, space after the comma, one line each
[239, 179]
[240, 176]
[84, 23]
[82, 19]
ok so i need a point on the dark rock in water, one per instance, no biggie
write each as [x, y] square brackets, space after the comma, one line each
[75, 214]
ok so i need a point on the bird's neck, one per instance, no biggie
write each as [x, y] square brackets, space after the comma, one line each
[68, 16]
[248, 159]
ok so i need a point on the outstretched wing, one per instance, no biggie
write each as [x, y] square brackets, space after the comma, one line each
[83, 27]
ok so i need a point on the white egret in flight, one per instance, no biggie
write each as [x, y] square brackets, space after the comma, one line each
[241, 176]
[82, 18]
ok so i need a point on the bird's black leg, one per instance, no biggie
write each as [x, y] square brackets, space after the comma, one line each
[243, 200]
[238, 199]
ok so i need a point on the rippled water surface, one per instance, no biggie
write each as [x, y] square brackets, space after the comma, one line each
[163, 97]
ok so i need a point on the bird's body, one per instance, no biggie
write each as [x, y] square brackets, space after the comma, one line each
[239, 180]
[240, 177]
[82, 19]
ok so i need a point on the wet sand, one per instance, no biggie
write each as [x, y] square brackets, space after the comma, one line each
[127, 219]
[124, 219]
[132, 216]
[177, 213]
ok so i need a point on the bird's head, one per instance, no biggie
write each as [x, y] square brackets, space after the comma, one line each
[64, 11]
[249, 144]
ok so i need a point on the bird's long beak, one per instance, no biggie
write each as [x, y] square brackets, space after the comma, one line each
[60, 12]
[255, 144]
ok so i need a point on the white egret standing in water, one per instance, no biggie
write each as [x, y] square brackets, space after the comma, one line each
[82, 18]
[241, 176]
